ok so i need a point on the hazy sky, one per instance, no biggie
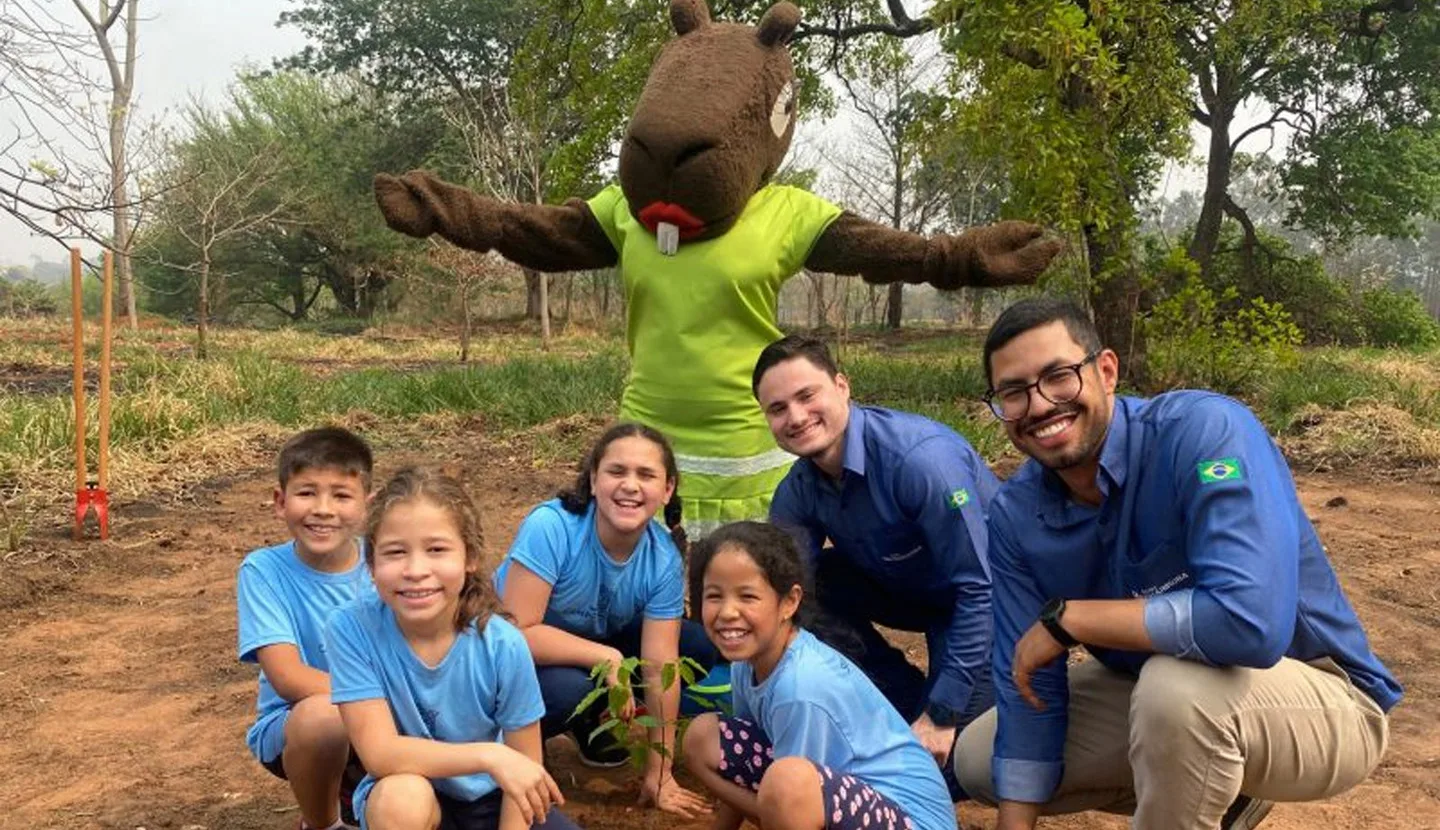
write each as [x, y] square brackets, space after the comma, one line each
[185, 46]
[195, 47]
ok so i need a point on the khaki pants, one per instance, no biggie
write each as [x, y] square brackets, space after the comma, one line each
[1175, 747]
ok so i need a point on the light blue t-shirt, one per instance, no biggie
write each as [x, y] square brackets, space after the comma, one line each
[484, 686]
[819, 706]
[592, 595]
[281, 600]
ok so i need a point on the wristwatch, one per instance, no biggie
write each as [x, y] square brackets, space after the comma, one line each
[1050, 618]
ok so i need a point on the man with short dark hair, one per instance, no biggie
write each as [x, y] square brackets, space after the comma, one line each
[901, 500]
[1227, 669]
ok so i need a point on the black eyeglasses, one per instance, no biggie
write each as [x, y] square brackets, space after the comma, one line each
[1061, 384]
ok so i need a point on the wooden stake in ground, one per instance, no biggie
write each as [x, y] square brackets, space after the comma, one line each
[77, 319]
[91, 494]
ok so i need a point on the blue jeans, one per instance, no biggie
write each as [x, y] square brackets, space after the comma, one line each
[563, 687]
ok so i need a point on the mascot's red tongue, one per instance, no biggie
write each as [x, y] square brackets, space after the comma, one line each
[656, 212]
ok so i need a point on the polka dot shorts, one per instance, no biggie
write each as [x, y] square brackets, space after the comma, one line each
[850, 804]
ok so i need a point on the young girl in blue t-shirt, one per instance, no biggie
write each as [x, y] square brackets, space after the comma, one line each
[592, 578]
[812, 743]
[436, 689]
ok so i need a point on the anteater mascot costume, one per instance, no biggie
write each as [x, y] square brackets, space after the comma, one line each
[704, 241]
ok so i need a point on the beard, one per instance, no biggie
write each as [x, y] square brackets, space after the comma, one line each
[1085, 448]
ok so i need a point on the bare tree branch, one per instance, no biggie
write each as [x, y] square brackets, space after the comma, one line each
[901, 25]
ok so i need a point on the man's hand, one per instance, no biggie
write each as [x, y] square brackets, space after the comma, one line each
[1035, 650]
[937, 740]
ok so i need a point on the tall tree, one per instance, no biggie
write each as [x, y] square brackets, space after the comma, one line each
[216, 190]
[65, 160]
[326, 137]
[1080, 103]
[1349, 91]
[892, 171]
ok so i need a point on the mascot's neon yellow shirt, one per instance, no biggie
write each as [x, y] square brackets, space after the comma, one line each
[697, 321]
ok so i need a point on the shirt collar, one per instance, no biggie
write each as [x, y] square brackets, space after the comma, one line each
[855, 441]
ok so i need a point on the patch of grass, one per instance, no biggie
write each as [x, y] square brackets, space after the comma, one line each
[1337, 380]
[945, 383]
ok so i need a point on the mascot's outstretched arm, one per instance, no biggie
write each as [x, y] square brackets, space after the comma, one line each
[1006, 253]
[543, 237]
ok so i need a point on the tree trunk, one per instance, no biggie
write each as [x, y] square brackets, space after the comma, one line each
[977, 307]
[203, 307]
[569, 296]
[1115, 300]
[122, 83]
[532, 294]
[542, 281]
[1219, 161]
[464, 326]
[894, 301]
[894, 310]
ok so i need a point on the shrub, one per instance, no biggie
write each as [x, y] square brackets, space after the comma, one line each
[1397, 318]
[26, 298]
[1194, 343]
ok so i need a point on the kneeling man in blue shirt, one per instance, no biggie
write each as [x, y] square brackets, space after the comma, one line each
[1226, 669]
[901, 499]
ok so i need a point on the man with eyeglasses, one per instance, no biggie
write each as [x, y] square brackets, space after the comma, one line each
[901, 500]
[1226, 669]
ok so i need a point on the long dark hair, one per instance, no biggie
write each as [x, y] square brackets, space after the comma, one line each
[477, 595]
[576, 498]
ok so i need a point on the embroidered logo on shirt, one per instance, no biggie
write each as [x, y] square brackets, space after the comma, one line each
[958, 499]
[1220, 469]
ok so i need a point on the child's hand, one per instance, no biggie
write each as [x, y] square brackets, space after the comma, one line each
[667, 794]
[527, 784]
[612, 679]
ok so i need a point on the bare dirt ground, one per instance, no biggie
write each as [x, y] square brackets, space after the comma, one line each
[124, 707]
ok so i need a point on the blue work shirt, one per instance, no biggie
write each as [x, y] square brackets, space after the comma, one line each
[819, 706]
[592, 595]
[1199, 515]
[909, 512]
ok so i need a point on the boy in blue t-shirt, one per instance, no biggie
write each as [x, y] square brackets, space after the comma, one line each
[284, 595]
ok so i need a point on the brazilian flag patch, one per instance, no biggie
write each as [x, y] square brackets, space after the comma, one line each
[1220, 469]
[958, 499]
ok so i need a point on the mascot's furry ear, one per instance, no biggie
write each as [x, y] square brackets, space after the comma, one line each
[688, 15]
[778, 24]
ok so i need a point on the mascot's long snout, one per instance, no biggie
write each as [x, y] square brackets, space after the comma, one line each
[712, 125]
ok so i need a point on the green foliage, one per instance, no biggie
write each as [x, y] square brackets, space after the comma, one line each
[160, 399]
[26, 298]
[617, 696]
[1338, 379]
[1369, 161]
[1079, 103]
[1323, 306]
[1397, 318]
[1193, 343]
[323, 140]
[408, 47]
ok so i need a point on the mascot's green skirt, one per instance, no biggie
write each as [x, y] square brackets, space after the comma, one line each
[698, 320]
